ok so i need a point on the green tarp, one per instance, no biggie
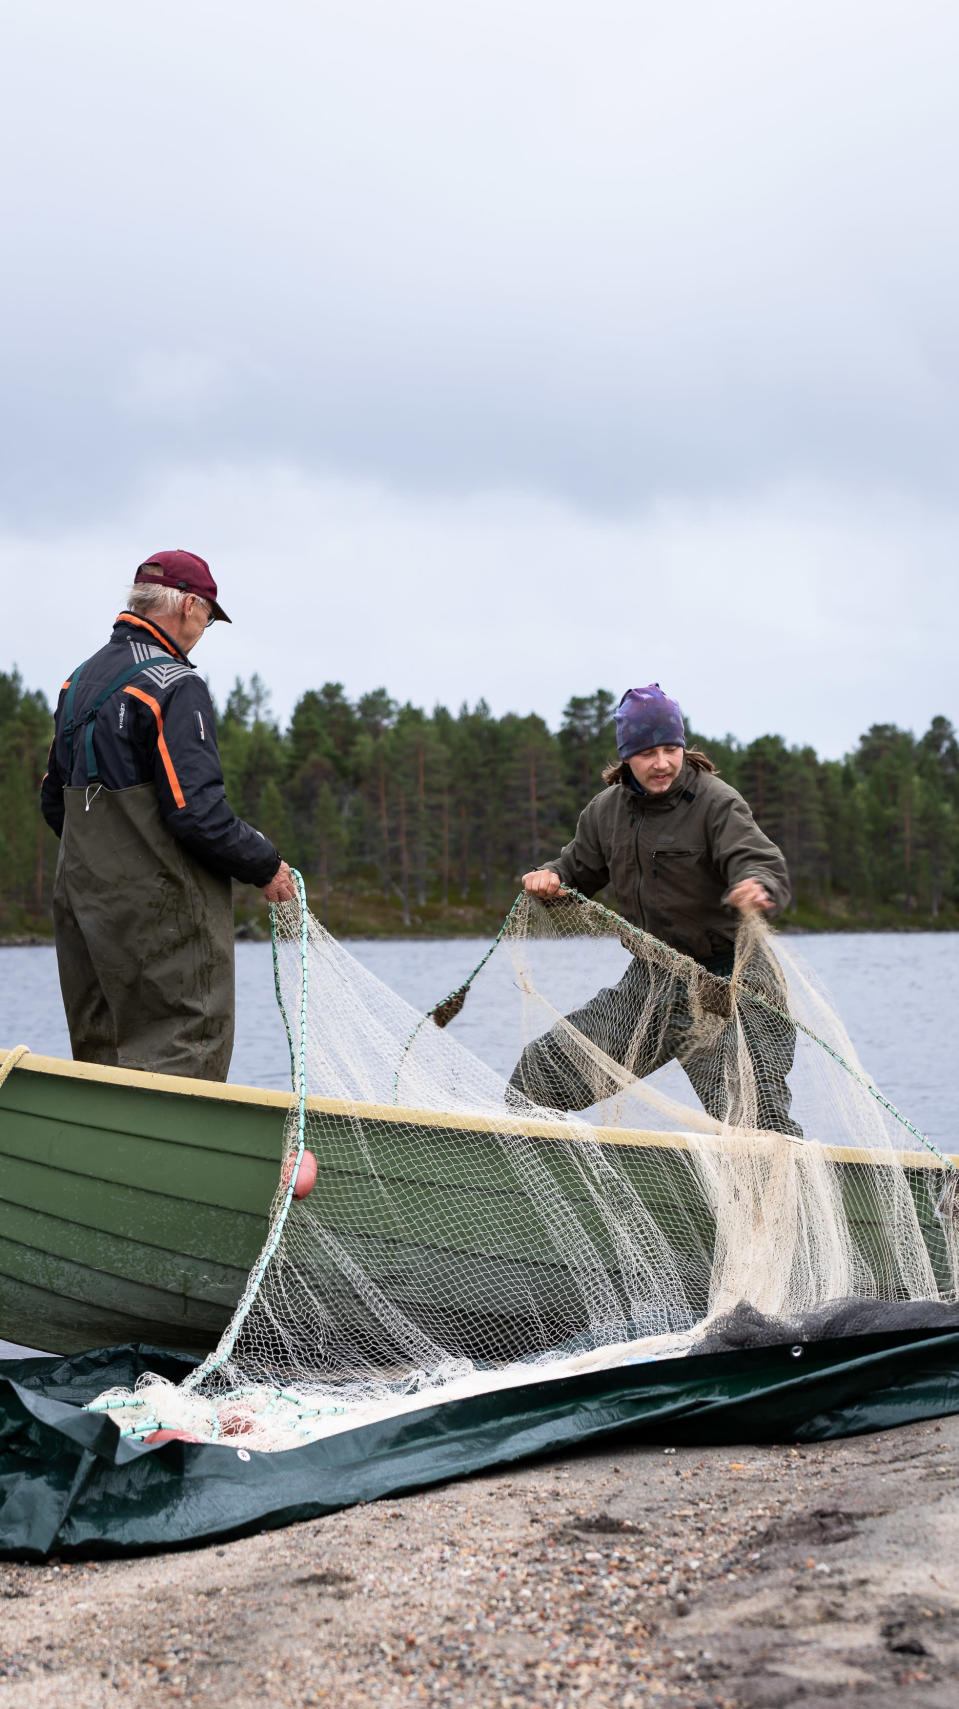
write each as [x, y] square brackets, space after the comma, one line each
[70, 1487]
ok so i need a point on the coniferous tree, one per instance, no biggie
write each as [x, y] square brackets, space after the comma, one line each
[587, 739]
[436, 810]
[28, 849]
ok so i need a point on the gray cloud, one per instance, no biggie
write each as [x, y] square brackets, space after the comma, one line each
[789, 613]
[526, 346]
[604, 252]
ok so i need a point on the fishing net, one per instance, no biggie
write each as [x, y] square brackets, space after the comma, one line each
[664, 1160]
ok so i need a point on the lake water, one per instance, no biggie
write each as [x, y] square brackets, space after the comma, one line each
[898, 994]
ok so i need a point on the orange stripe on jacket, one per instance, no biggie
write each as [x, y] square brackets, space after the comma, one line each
[168, 766]
[158, 635]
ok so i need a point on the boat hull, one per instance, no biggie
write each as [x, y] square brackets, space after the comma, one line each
[133, 1206]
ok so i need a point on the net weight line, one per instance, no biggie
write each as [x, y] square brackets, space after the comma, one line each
[298, 1073]
[148, 1421]
[442, 1013]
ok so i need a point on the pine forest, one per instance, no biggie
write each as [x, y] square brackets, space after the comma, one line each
[411, 822]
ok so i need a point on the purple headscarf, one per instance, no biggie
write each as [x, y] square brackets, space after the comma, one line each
[647, 718]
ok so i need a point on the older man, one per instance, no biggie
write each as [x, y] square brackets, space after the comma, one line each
[685, 858]
[142, 903]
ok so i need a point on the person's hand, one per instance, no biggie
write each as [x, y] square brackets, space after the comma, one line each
[542, 883]
[281, 887]
[749, 896]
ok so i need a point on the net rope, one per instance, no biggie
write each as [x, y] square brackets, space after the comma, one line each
[652, 1159]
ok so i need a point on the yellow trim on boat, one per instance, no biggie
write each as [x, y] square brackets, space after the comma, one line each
[140, 1081]
[260, 1096]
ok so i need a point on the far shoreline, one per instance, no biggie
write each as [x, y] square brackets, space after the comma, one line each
[243, 934]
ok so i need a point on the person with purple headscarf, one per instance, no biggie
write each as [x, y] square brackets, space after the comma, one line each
[686, 859]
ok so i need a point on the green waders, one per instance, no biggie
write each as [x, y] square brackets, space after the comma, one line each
[552, 1072]
[144, 938]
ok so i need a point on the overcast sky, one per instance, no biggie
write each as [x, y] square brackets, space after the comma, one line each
[503, 348]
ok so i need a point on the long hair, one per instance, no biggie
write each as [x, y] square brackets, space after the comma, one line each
[617, 770]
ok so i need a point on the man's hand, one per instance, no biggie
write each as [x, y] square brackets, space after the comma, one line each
[749, 896]
[281, 887]
[542, 883]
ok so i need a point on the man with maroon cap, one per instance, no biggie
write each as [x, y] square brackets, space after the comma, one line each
[685, 858]
[149, 845]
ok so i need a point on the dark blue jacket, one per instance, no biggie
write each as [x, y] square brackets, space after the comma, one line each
[158, 728]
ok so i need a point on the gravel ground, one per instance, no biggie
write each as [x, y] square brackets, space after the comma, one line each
[712, 1579]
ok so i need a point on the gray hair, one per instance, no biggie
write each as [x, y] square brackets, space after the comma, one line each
[146, 597]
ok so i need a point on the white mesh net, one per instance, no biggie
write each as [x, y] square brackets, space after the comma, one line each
[675, 1163]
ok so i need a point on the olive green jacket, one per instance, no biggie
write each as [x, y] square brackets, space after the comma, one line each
[672, 859]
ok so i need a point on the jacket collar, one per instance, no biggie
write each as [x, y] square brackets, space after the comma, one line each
[151, 630]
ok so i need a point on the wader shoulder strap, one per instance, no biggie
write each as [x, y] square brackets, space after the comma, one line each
[88, 718]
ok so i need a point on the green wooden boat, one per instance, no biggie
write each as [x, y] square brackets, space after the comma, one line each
[132, 1207]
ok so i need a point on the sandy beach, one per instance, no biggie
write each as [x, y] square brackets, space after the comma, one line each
[710, 1579]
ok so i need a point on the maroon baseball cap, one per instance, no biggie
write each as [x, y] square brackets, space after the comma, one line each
[183, 570]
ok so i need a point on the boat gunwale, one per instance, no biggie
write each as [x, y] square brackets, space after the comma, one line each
[141, 1080]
